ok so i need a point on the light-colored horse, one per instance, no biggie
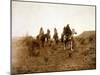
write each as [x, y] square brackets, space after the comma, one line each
[68, 40]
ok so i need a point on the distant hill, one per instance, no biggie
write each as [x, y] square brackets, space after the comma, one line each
[86, 34]
[87, 38]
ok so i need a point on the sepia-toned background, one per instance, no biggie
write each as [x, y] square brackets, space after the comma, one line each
[28, 17]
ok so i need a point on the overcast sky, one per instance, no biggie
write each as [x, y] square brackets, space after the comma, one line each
[28, 17]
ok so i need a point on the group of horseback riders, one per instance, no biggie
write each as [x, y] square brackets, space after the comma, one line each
[66, 36]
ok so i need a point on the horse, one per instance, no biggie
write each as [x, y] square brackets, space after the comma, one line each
[47, 36]
[55, 36]
[43, 38]
[68, 42]
[67, 38]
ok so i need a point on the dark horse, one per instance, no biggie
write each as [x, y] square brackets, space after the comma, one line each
[55, 36]
[44, 38]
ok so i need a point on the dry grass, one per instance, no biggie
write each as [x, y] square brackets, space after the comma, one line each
[29, 57]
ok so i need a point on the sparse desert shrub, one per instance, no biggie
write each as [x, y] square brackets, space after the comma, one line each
[28, 45]
[31, 44]
[86, 38]
[85, 53]
[92, 38]
[54, 57]
[82, 41]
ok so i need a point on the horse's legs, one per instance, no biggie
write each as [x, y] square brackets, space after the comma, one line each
[71, 44]
[42, 43]
[64, 45]
[56, 42]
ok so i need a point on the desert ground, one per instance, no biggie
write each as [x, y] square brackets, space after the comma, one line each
[29, 57]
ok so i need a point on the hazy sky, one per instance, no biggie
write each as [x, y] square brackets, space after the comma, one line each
[28, 17]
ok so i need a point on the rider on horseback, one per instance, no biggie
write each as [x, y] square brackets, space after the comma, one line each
[66, 36]
[47, 35]
[66, 33]
[41, 31]
[55, 36]
[41, 37]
